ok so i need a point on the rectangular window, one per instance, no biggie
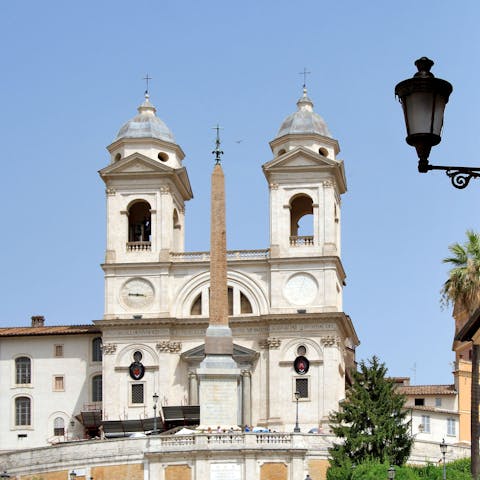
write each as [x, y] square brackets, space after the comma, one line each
[451, 427]
[58, 383]
[426, 423]
[419, 402]
[137, 393]
[58, 351]
[301, 386]
[438, 402]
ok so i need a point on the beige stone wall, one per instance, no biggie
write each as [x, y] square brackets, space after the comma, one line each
[274, 471]
[116, 472]
[464, 386]
[59, 475]
[317, 469]
[178, 472]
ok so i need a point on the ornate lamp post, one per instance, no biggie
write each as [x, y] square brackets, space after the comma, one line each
[297, 428]
[443, 449]
[155, 401]
[423, 99]
[73, 475]
[391, 473]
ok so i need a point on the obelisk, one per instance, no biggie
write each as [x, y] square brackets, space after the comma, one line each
[218, 372]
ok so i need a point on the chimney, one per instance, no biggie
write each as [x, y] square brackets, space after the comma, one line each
[38, 321]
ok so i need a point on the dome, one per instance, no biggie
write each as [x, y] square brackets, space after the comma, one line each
[304, 120]
[146, 125]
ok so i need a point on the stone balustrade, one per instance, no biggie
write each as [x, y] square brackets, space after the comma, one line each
[301, 241]
[139, 246]
[231, 255]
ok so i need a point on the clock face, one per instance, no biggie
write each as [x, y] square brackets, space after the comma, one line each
[301, 289]
[137, 293]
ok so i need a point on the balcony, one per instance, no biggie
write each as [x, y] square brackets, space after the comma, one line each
[139, 246]
[301, 241]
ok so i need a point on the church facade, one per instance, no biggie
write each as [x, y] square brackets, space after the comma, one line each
[293, 344]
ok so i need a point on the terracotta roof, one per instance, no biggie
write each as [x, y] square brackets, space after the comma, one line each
[54, 330]
[426, 389]
[426, 408]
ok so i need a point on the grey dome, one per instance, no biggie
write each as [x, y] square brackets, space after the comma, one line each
[146, 125]
[304, 120]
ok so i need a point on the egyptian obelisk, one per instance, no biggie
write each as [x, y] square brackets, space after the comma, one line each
[218, 372]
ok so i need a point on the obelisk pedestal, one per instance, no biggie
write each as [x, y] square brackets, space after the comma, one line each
[218, 373]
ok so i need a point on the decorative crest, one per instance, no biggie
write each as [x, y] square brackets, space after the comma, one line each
[217, 152]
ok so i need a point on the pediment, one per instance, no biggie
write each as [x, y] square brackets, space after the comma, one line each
[299, 158]
[135, 163]
[241, 354]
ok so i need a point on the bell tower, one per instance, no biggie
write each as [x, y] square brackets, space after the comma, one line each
[146, 190]
[306, 181]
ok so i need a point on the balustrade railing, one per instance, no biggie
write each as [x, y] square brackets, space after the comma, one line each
[231, 255]
[139, 246]
[301, 241]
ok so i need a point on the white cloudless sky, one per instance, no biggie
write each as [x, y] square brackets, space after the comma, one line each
[72, 75]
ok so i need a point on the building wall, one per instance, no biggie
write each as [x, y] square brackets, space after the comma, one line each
[47, 403]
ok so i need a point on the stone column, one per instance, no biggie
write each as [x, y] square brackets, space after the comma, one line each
[247, 397]
[193, 388]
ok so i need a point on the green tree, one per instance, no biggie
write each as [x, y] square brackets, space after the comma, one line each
[371, 421]
[462, 289]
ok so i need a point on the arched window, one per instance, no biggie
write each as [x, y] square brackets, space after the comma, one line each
[196, 308]
[301, 221]
[23, 414]
[238, 303]
[97, 349]
[23, 371]
[97, 388]
[59, 427]
[139, 226]
[177, 231]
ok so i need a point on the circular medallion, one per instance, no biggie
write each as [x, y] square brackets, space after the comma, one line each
[301, 365]
[301, 289]
[137, 293]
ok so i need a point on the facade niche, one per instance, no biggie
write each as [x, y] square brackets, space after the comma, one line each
[139, 226]
[301, 221]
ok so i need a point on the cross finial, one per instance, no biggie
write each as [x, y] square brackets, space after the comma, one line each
[305, 73]
[217, 152]
[147, 79]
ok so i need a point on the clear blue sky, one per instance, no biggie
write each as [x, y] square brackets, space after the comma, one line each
[72, 75]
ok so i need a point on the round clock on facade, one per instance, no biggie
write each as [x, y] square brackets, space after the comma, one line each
[301, 289]
[137, 293]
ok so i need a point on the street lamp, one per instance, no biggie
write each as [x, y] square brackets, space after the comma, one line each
[297, 428]
[423, 98]
[155, 401]
[391, 473]
[4, 475]
[73, 475]
[443, 449]
[308, 477]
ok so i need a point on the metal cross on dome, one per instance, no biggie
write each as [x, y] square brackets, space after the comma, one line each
[305, 73]
[147, 79]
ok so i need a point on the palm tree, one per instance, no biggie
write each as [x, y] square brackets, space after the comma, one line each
[462, 289]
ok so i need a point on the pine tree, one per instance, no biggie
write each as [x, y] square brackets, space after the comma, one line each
[371, 421]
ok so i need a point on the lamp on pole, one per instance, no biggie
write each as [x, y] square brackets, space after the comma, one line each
[423, 98]
[308, 477]
[155, 401]
[73, 475]
[4, 475]
[391, 473]
[443, 449]
[297, 428]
